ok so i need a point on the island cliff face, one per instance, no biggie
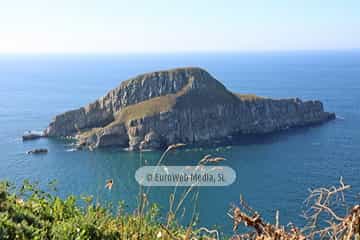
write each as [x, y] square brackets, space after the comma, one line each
[183, 105]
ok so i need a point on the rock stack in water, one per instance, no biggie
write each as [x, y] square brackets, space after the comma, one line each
[185, 105]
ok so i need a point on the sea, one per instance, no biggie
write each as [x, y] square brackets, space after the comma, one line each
[273, 172]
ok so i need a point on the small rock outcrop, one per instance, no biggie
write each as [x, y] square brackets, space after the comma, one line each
[37, 151]
[181, 105]
[29, 135]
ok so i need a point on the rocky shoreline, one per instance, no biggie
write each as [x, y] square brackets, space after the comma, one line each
[185, 105]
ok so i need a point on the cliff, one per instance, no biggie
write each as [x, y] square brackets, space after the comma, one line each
[181, 105]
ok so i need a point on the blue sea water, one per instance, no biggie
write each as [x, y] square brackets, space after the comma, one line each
[273, 172]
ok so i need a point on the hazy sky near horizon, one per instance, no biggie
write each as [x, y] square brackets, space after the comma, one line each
[95, 26]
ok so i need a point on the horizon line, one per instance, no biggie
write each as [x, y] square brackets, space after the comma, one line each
[185, 52]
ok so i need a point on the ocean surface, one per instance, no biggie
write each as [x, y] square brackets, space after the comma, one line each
[273, 172]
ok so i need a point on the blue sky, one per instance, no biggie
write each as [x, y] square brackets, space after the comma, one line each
[108, 26]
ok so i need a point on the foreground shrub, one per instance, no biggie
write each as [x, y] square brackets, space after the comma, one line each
[29, 213]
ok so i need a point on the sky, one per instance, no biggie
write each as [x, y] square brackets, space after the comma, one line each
[119, 26]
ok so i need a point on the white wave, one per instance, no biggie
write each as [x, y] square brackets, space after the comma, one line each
[71, 150]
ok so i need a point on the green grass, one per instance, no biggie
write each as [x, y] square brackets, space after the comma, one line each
[146, 108]
[89, 132]
[183, 98]
[248, 97]
[30, 213]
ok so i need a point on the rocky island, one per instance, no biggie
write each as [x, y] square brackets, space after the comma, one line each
[185, 105]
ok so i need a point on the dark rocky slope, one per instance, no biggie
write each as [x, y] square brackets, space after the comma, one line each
[181, 105]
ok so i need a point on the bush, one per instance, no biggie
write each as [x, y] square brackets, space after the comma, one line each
[30, 213]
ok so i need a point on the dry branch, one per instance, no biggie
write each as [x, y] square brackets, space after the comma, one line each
[323, 222]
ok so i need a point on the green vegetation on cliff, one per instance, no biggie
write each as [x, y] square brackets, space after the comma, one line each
[30, 213]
